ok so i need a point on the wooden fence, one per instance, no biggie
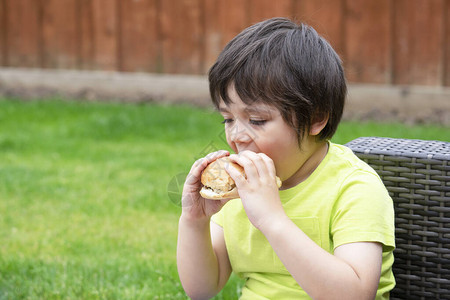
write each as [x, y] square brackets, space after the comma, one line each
[380, 41]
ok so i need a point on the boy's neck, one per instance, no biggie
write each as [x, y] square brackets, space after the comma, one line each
[314, 155]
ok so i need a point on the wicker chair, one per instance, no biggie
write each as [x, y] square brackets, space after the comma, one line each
[417, 175]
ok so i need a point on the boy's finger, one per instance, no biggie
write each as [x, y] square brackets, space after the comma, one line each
[237, 176]
[201, 163]
[246, 162]
[269, 164]
[215, 155]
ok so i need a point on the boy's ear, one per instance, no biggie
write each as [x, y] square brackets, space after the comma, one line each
[317, 125]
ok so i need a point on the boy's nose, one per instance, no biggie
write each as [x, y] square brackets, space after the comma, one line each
[240, 133]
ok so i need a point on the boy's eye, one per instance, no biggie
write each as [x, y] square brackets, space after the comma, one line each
[227, 121]
[258, 122]
[252, 122]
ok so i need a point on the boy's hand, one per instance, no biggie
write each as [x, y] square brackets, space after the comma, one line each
[195, 207]
[259, 191]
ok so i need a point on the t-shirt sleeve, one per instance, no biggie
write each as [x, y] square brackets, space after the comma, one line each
[364, 212]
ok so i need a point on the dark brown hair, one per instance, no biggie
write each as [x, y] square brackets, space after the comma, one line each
[286, 65]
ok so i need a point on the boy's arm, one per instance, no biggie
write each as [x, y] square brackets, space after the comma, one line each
[202, 258]
[353, 272]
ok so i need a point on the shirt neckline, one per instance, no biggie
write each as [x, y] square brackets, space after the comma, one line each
[286, 195]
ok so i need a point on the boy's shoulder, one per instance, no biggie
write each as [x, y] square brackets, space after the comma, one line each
[344, 160]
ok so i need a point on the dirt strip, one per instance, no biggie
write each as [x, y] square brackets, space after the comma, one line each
[410, 104]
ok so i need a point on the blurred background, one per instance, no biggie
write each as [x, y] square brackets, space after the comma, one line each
[396, 53]
[380, 41]
[397, 45]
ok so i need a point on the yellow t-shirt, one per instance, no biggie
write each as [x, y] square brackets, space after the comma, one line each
[343, 201]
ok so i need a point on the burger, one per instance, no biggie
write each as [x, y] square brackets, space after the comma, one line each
[217, 183]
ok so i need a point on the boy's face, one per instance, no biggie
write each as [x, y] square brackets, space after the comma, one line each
[260, 128]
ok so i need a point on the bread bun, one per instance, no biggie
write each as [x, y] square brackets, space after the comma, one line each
[217, 183]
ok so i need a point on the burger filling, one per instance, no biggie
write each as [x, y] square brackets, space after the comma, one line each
[221, 185]
[221, 189]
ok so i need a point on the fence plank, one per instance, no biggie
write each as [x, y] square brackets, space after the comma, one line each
[224, 19]
[446, 63]
[107, 36]
[99, 35]
[22, 36]
[368, 41]
[59, 34]
[418, 42]
[86, 55]
[139, 39]
[265, 9]
[326, 18]
[181, 34]
[3, 29]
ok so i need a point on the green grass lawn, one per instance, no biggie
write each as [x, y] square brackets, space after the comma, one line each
[84, 205]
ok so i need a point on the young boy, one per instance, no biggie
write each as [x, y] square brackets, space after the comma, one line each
[329, 231]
